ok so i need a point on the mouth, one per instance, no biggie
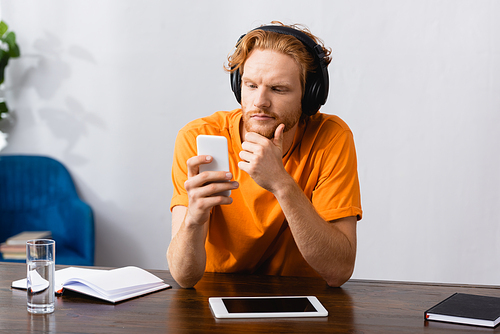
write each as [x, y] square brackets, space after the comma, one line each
[261, 117]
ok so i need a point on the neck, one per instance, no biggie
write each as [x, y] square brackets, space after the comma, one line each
[288, 139]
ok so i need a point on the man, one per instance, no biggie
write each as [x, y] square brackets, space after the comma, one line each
[295, 197]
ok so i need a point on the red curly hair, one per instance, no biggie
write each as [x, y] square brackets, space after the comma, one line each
[285, 44]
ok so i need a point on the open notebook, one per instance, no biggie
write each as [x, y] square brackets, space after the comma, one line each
[110, 285]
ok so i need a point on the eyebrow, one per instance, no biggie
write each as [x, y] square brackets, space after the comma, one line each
[276, 84]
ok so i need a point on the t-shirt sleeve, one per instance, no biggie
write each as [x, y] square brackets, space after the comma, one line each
[185, 148]
[337, 193]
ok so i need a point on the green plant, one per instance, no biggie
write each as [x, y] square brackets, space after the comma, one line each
[8, 49]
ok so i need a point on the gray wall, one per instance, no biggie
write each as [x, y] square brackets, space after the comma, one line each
[105, 85]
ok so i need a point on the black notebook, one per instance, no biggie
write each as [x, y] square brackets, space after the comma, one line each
[467, 309]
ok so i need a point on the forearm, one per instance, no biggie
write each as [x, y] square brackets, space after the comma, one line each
[328, 247]
[186, 255]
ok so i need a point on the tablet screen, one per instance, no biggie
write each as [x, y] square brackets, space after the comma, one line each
[268, 305]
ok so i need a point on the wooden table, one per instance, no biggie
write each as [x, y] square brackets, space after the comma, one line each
[358, 307]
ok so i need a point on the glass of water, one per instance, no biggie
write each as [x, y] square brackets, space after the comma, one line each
[40, 262]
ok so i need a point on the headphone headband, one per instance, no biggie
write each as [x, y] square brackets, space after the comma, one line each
[317, 83]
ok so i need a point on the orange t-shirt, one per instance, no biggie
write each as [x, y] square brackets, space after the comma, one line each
[251, 235]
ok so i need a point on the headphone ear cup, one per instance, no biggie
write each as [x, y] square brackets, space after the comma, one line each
[235, 79]
[306, 100]
[312, 100]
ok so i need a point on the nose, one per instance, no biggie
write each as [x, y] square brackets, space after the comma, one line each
[262, 99]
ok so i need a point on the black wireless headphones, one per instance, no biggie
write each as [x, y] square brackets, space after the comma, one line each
[316, 88]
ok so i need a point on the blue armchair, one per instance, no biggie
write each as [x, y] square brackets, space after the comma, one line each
[37, 193]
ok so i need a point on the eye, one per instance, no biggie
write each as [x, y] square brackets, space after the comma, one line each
[279, 89]
[250, 84]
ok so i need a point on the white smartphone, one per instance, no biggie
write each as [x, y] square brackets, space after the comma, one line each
[267, 307]
[216, 147]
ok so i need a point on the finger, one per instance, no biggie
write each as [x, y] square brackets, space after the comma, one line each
[245, 155]
[193, 164]
[278, 136]
[216, 189]
[202, 186]
[201, 206]
[251, 147]
[254, 137]
[211, 177]
[244, 166]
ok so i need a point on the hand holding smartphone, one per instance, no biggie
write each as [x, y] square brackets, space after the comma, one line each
[216, 147]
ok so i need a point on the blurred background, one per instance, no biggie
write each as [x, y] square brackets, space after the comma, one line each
[104, 86]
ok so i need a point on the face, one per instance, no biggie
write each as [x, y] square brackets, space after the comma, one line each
[271, 93]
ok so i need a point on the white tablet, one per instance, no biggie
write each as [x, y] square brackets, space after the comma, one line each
[267, 307]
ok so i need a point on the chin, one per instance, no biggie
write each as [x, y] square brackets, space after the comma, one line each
[266, 131]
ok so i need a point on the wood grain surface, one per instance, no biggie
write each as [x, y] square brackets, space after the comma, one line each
[357, 307]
